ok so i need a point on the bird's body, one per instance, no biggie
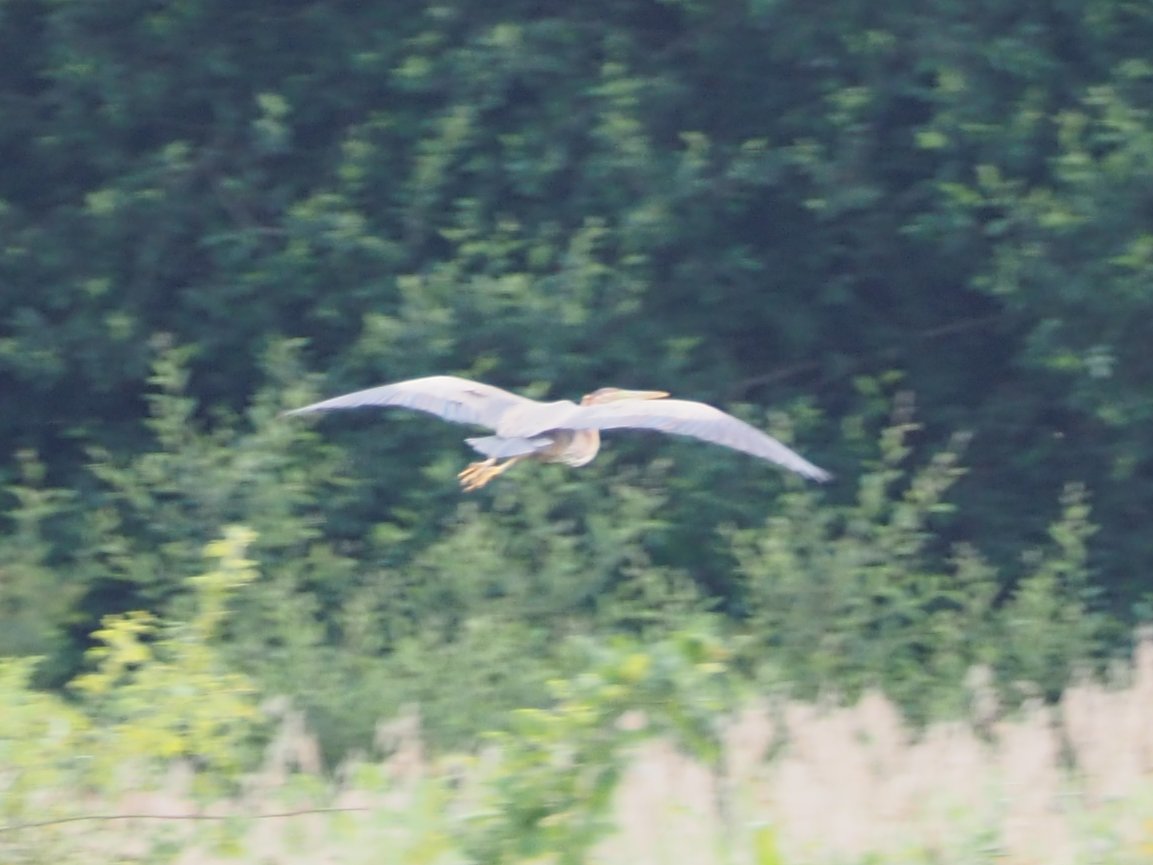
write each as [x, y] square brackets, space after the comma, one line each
[562, 432]
[574, 448]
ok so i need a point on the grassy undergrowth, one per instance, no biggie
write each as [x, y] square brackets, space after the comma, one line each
[662, 750]
[589, 780]
[873, 700]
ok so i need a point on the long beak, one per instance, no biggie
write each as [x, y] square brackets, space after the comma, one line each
[640, 394]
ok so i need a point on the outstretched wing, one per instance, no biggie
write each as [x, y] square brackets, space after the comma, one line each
[455, 399]
[696, 419]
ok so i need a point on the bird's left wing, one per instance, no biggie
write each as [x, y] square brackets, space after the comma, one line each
[458, 400]
[696, 419]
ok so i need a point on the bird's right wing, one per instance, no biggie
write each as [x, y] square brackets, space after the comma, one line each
[696, 419]
[455, 399]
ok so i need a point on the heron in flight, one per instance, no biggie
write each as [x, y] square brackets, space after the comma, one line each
[562, 432]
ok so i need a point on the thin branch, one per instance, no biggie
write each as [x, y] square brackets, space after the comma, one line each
[91, 818]
[807, 366]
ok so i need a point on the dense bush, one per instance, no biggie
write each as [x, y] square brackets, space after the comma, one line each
[98, 778]
[467, 618]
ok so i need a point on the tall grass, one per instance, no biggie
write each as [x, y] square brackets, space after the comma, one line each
[796, 782]
[1066, 783]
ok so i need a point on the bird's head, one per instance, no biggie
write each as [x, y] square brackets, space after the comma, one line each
[615, 394]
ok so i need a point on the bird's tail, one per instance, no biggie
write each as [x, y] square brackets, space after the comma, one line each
[500, 448]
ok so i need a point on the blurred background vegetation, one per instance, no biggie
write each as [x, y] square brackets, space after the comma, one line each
[922, 232]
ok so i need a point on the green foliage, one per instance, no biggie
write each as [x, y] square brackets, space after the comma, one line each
[1050, 629]
[39, 738]
[856, 596]
[161, 691]
[36, 600]
[158, 691]
[160, 504]
[463, 620]
[549, 791]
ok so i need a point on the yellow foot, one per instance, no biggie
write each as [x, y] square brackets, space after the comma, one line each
[476, 475]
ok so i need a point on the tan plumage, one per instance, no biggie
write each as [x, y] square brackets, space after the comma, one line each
[563, 431]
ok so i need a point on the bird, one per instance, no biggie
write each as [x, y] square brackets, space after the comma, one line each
[563, 431]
